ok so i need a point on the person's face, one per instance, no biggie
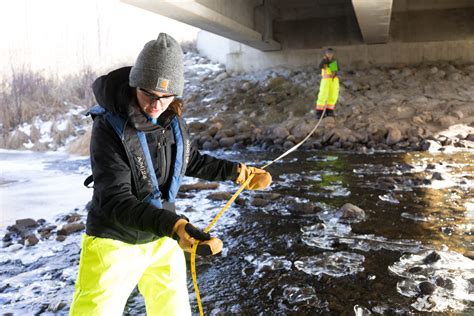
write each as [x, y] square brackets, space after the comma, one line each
[153, 103]
[329, 55]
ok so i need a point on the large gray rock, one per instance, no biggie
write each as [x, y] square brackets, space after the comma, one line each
[394, 136]
[227, 141]
[71, 228]
[25, 223]
[280, 132]
[210, 145]
[219, 196]
[351, 212]
[259, 202]
[199, 186]
[222, 76]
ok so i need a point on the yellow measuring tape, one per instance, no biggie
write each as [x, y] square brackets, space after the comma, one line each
[229, 203]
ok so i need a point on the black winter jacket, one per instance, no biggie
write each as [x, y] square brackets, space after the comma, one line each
[116, 212]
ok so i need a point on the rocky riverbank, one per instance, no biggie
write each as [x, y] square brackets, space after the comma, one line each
[404, 108]
[400, 108]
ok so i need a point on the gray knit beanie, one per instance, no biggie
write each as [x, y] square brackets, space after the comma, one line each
[159, 66]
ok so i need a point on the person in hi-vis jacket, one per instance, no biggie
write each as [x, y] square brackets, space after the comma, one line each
[329, 87]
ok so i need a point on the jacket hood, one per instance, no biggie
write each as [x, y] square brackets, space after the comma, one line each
[113, 92]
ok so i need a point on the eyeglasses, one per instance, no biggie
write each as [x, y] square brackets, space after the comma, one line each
[153, 97]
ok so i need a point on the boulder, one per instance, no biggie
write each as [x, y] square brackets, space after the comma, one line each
[259, 202]
[275, 82]
[288, 144]
[219, 196]
[432, 257]
[25, 223]
[394, 136]
[469, 254]
[197, 127]
[210, 145]
[198, 186]
[221, 76]
[446, 121]
[351, 212]
[227, 141]
[426, 288]
[31, 240]
[280, 132]
[71, 228]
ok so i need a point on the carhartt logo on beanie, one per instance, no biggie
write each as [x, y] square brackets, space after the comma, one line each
[159, 66]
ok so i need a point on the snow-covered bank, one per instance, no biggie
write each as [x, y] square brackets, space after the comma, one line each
[41, 185]
[418, 107]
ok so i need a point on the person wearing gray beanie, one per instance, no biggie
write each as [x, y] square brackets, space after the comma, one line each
[159, 66]
[140, 150]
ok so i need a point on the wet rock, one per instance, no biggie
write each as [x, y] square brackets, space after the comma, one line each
[60, 238]
[240, 201]
[212, 131]
[437, 176]
[210, 145]
[56, 307]
[288, 144]
[222, 76]
[8, 236]
[195, 127]
[445, 283]
[431, 258]
[394, 136]
[238, 146]
[352, 212]
[227, 141]
[430, 145]
[73, 217]
[219, 196]
[430, 166]
[31, 240]
[300, 208]
[198, 186]
[426, 288]
[268, 196]
[447, 121]
[259, 202]
[71, 228]
[415, 270]
[469, 254]
[22, 224]
[280, 132]
[275, 82]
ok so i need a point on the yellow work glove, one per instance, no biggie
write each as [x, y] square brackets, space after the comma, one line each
[260, 181]
[186, 235]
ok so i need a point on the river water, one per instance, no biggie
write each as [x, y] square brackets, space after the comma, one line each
[297, 253]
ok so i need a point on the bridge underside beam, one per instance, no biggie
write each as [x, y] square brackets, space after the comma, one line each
[196, 14]
[374, 19]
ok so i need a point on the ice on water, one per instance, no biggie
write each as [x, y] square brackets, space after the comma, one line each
[335, 264]
[450, 279]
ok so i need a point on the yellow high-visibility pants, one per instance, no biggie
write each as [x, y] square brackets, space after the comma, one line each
[110, 269]
[328, 94]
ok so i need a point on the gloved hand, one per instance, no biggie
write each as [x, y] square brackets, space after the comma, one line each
[260, 181]
[186, 235]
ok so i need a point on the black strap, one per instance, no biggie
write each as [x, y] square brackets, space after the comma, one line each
[88, 181]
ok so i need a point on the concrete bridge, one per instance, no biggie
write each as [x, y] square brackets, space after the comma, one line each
[256, 34]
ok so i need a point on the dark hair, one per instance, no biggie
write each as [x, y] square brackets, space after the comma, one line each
[329, 51]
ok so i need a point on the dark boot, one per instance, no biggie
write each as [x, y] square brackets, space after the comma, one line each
[319, 113]
[330, 113]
